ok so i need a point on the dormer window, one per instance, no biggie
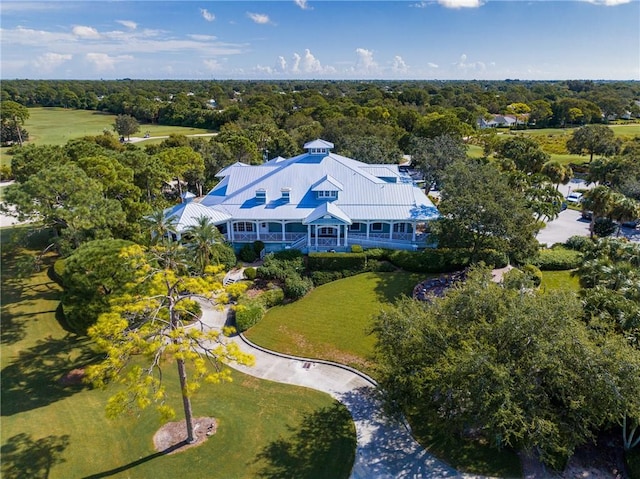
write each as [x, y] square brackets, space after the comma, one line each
[318, 151]
[286, 194]
[327, 194]
[261, 195]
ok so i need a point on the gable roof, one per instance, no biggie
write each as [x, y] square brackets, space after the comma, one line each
[318, 144]
[327, 209]
[328, 183]
[187, 214]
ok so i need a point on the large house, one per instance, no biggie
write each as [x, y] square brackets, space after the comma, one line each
[316, 201]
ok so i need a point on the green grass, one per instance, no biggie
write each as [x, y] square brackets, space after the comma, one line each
[56, 126]
[559, 280]
[332, 321]
[265, 429]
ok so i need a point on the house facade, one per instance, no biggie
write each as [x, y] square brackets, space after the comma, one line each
[320, 201]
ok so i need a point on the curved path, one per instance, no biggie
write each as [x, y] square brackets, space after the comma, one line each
[385, 449]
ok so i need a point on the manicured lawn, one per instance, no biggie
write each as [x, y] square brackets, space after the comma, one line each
[56, 126]
[332, 321]
[265, 429]
[559, 280]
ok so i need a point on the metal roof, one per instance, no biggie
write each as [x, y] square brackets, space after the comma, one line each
[184, 215]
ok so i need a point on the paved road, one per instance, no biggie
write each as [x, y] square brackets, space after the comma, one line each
[385, 449]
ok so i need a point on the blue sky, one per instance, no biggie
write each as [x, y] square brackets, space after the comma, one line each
[433, 39]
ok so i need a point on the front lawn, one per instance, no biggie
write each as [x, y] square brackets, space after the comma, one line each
[51, 430]
[331, 322]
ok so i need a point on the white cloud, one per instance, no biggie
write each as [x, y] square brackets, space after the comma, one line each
[85, 32]
[201, 38]
[365, 60]
[399, 65]
[419, 5]
[460, 3]
[305, 65]
[464, 66]
[207, 15]
[49, 61]
[296, 63]
[212, 64]
[433, 65]
[281, 64]
[303, 4]
[128, 23]
[608, 3]
[104, 62]
[259, 18]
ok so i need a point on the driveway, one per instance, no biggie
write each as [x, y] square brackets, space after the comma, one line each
[385, 449]
[568, 223]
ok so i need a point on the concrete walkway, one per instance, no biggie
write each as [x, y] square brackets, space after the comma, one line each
[385, 449]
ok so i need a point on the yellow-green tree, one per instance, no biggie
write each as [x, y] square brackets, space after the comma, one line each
[155, 322]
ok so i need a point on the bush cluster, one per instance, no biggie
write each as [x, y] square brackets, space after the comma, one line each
[444, 260]
[250, 273]
[578, 243]
[286, 266]
[248, 313]
[223, 254]
[295, 286]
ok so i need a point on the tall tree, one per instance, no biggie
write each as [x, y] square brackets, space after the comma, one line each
[593, 140]
[13, 115]
[126, 125]
[598, 200]
[432, 156]
[524, 152]
[557, 172]
[521, 369]
[201, 238]
[157, 319]
[480, 210]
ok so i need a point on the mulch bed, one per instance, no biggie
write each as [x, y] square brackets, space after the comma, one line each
[171, 438]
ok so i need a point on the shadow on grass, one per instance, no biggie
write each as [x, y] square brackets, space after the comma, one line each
[131, 465]
[33, 379]
[322, 446]
[24, 457]
[392, 286]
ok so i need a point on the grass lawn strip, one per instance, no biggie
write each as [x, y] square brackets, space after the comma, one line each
[332, 321]
[263, 427]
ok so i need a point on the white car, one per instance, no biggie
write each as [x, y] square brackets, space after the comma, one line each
[574, 197]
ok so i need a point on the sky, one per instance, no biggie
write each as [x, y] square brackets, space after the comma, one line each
[307, 39]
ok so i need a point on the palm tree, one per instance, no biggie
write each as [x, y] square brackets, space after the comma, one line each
[624, 209]
[200, 239]
[161, 227]
[597, 200]
[557, 173]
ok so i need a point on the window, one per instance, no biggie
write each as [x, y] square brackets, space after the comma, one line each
[286, 194]
[327, 194]
[399, 227]
[376, 227]
[261, 195]
[326, 231]
[355, 227]
[243, 227]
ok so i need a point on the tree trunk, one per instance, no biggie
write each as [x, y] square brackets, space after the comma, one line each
[186, 401]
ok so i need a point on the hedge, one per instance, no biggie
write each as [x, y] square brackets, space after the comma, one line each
[336, 261]
[443, 260]
[271, 298]
[557, 259]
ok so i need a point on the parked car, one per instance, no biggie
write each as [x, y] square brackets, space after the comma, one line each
[574, 197]
[631, 224]
[587, 215]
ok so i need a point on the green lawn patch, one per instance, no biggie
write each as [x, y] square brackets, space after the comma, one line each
[559, 281]
[265, 429]
[332, 321]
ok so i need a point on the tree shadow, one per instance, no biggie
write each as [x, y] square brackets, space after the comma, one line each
[23, 457]
[323, 445]
[34, 378]
[135, 463]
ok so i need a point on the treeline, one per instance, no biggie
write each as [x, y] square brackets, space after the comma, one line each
[211, 104]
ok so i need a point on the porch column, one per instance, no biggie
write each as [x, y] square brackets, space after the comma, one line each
[258, 230]
[338, 236]
[316, 230]
[230, 231]
[346, 231]
[413, 233]
[368, 226]
[284, 237]
[308, 236]
[391, 223]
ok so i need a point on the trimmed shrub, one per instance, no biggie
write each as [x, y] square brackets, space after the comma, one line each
[250, 273]
[533, 273]
[271, 298]
[323, 277]
[287, 255]
[58, 270]
[222, 253]
[380, 266]
[378, 253]
[275, 267]
[258, 246]
[356, 248]
[247, 254]
[336, 261]
[248, 314]
[494, 258]
[578, 243]
[557, 259]
[295, 286]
